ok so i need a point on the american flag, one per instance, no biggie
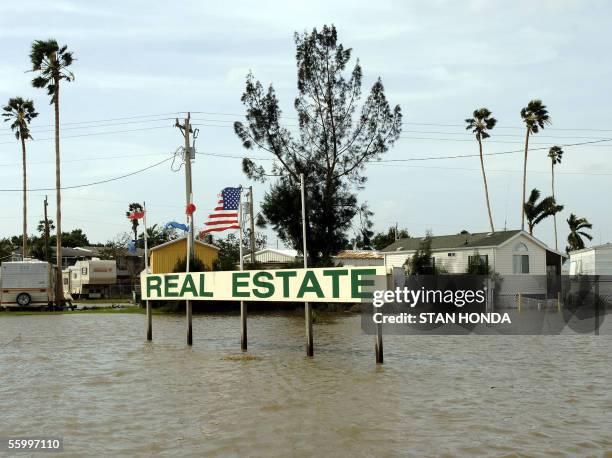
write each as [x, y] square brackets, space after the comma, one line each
[225, 215]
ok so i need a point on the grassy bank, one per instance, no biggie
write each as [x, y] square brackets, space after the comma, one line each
[75, 312]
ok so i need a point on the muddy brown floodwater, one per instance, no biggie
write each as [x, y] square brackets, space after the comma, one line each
[93, 379]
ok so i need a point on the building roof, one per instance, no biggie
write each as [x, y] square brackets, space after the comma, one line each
[441, 242]
[283, 252]
[358, 254]
[180, 240]
[605, 246]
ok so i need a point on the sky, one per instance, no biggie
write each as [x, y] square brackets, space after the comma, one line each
[140, 64]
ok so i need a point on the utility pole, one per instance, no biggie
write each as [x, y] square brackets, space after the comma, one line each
[396, 236]
[186, 130]
[46, 232]
[252, 226]
[307, 306]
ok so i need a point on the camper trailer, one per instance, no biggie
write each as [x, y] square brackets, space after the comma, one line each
[90, 278]
[26, 283]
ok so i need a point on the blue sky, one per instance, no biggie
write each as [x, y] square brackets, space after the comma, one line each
[439, 60]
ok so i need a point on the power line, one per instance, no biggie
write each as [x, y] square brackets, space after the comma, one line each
[108, 180]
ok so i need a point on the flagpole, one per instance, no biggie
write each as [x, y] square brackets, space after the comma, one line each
[243, 307]
[307, 308]
[146, 256]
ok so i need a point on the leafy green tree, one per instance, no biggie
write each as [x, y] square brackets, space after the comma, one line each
[75, 238]
[195, 265]
[478, 265]
[51, 61]
[229, 250]
[536, 211]
[364, 232]
[577, 227]
[421, 262]
[332, 149]
[535, 116]
[157, 235]
[6, 249]
[480, 124]
[383, 239]
[555, 154]
[20, 113]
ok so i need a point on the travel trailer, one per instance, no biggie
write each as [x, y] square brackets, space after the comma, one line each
[90, 278]
[27, 283]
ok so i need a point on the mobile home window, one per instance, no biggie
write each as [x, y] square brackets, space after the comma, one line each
[83, 270]
[520, 260]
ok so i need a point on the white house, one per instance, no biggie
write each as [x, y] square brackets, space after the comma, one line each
[525, 262]
[271, 258]
[596, 260]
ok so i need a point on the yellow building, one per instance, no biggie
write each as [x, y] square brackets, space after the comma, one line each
[164, 257]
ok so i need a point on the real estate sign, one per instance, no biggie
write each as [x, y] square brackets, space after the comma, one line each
[334, 284]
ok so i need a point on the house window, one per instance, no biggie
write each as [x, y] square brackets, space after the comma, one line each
[84, 271]
[520, 259]
[478, 263]
[451, 254]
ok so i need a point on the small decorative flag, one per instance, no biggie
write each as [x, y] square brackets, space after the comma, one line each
[190, 209]
[175, 225]
[136, 215]
[225, 215]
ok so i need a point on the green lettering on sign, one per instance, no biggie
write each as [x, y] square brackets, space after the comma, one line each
[171, 283]
[239, 284]
[267, 285]
[310, 284]
[357, 282]
[188, 286]
[154, 284]
[285, 276]
[335, 274]
[204, 293]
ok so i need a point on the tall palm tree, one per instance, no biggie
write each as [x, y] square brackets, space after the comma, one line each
[535, 116]
[536, 211]
[480, 124]
[555, 154]
[577, 227]
[21, 112]
[51, 62]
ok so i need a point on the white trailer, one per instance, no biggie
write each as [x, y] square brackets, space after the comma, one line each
[90, 278]
[27, 283]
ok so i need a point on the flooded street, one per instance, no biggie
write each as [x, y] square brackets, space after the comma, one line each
[93, 379]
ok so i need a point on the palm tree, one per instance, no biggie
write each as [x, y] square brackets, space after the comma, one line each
[535, 116]
[555, 154]
[577, 227]
[480, 124]
[536, 211]
[134, 207]
[51, 62]
[21, 112]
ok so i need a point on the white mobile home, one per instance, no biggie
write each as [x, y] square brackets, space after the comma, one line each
[517, 256]
[596, 260]
[25, 283]
[270, 258]
[358, 258]
[91, 278]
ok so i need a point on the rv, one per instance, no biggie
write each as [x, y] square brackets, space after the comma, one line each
[90, 278]
[27, 283]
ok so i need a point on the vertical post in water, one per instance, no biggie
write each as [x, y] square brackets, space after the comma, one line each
[378, 346]
[146, 256]
[243, 307]
[307, 307]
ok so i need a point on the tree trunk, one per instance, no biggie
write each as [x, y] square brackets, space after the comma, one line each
[59, 296]
[484, 177]
[25, 199]
[524, 181]
[552, 167]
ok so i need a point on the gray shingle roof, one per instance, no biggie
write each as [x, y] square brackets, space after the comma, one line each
[442, 242]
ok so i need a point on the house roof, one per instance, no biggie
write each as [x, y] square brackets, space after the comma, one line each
[605, 246]
[180, 240]
[441, 242]
[283, 252]
[358, 254]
